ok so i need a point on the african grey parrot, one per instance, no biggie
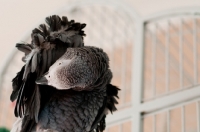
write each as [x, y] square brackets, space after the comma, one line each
[77, 94]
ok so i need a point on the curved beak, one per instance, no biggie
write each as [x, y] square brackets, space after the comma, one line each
[42, 81]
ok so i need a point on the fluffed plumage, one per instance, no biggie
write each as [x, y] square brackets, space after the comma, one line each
[84, 70]
[40, 106]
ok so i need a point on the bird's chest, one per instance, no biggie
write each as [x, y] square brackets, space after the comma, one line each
[73, 113]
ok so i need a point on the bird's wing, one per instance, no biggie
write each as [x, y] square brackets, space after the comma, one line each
[109, 104]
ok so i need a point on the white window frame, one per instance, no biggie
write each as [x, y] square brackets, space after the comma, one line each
[138, 108]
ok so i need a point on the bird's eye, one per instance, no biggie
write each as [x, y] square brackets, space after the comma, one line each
[49, 76]
[59, 63]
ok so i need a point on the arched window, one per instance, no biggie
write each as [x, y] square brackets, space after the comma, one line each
[169, 99]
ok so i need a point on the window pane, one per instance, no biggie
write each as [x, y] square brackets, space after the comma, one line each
[190, 118]
[171, 55]
[126, 127]
[148, 124]
[175, 120]
[114, 129]
[148, 66]
[161, 122]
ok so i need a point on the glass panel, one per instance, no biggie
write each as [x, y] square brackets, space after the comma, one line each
[128, 72]
[148, 73]
[116, 66]
[126, 127]
[161, 122]
[114, 129]
[174, 62]
[175, 120]
[182, 118]
[148, 124]
[188, 61]
[171, 55]
[191, 118]
[160, 62]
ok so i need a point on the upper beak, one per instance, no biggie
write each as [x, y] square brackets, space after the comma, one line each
[42, 81]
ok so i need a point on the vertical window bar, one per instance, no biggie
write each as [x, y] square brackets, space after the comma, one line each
[198, 116]
[137, 76]
[195, 49]
[167, 59]
[154, 41]
[183, 118]
[181, 53]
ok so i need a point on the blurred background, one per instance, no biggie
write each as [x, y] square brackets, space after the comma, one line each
[154, 50]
